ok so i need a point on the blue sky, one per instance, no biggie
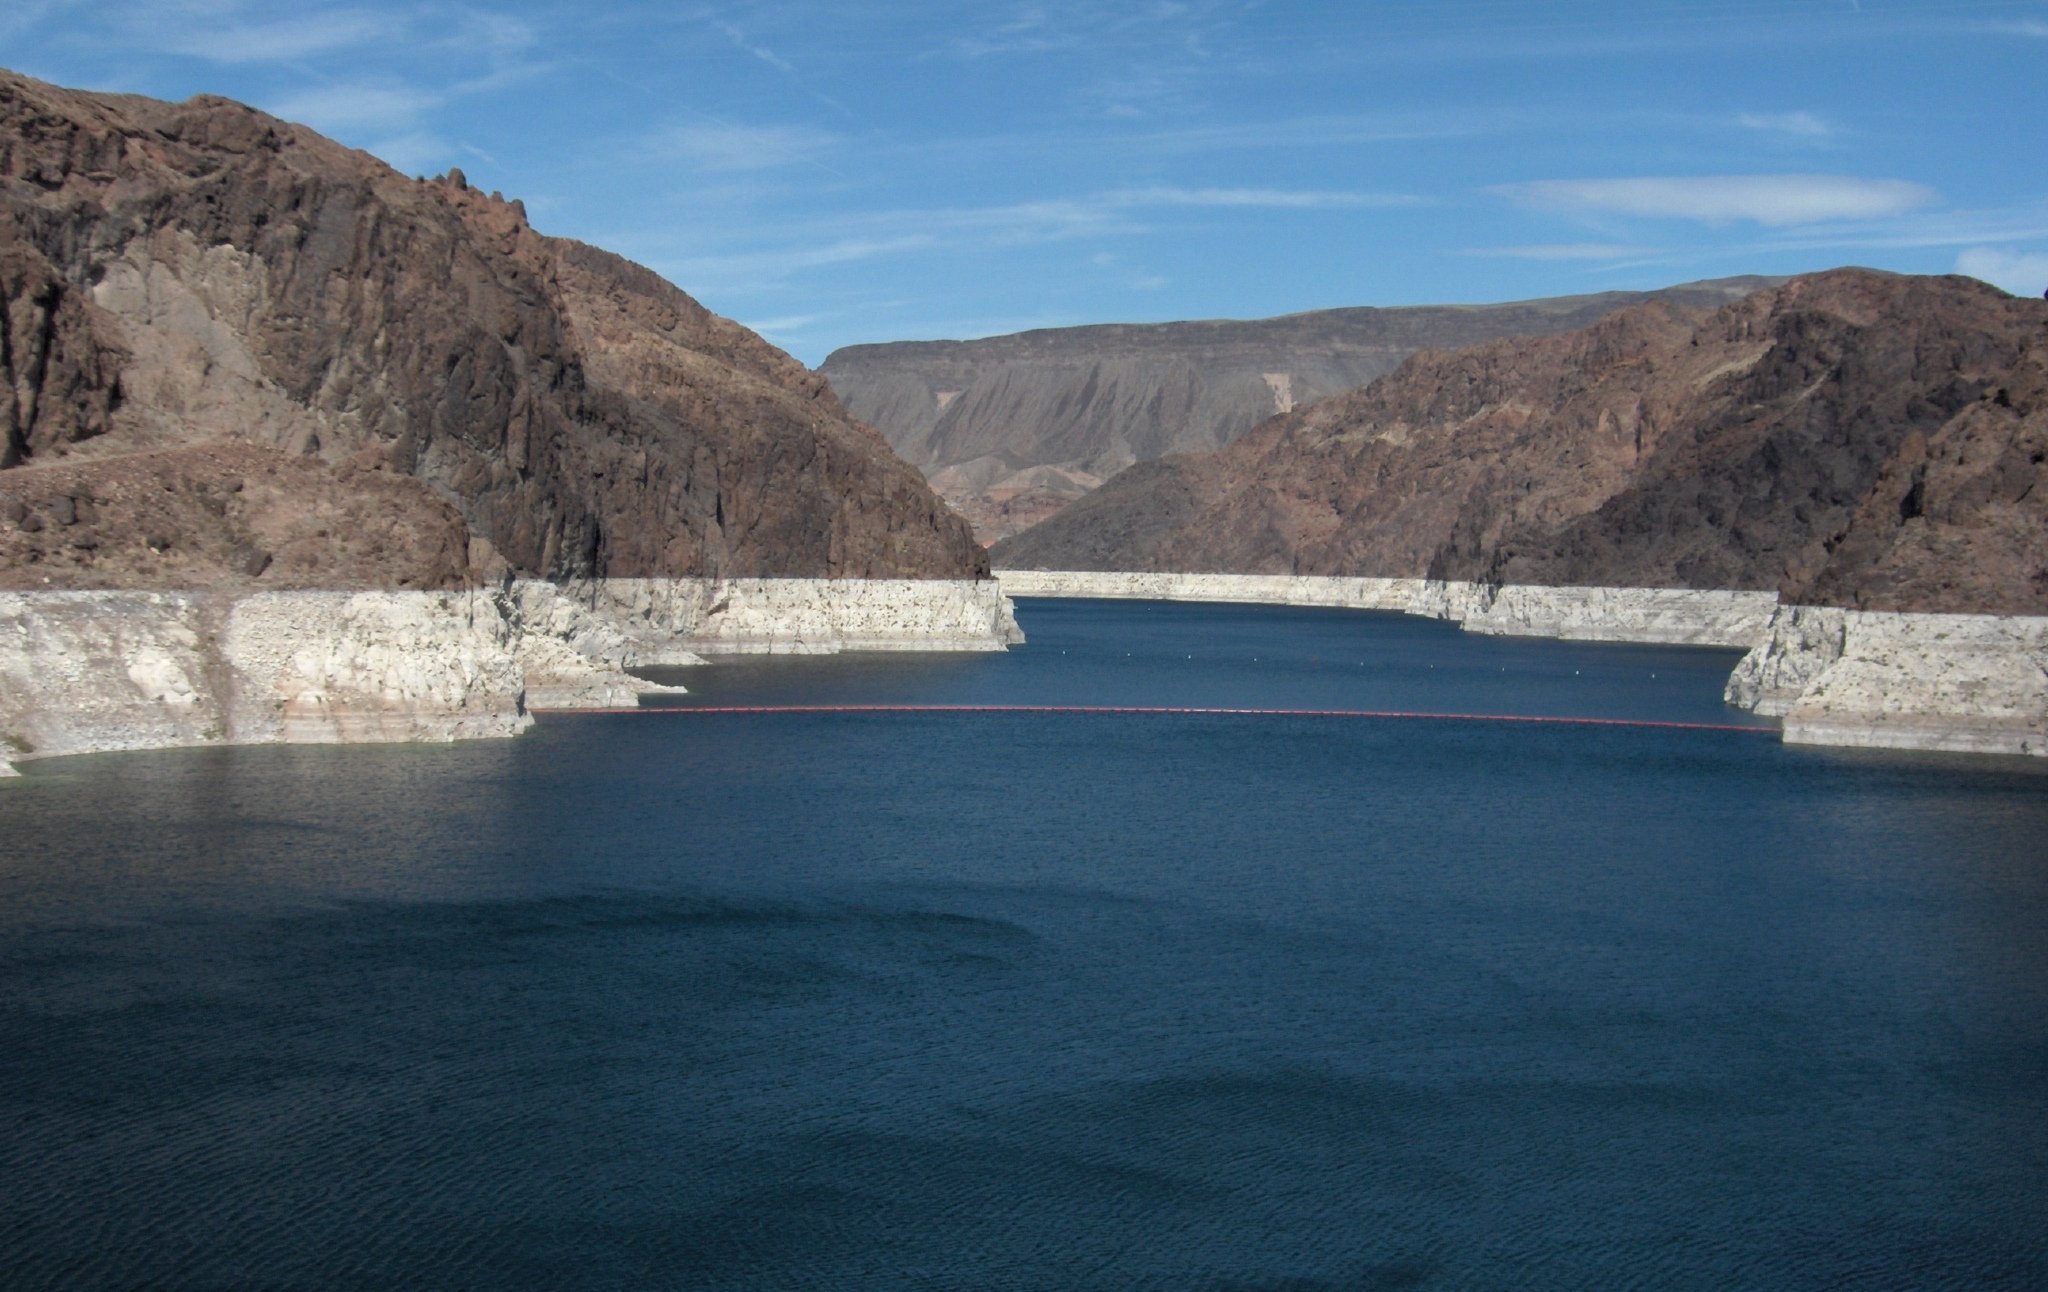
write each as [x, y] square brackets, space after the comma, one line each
[856, 171]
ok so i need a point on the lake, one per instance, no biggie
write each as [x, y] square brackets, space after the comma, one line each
[1053, 1000]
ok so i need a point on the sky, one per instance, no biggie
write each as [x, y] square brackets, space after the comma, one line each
[835, 173]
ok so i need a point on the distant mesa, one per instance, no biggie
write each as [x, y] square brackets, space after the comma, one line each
[982, 418]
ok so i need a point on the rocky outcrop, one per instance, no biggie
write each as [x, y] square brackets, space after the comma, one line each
[1010, 429]
[178, 277]
[1864, 438]
[675, 621]
[84, 672]
[1957, 683]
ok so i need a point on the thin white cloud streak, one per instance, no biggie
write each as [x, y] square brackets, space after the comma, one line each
[794, 323]
[1936, 229]
[1563, 251]
[1315, 132]
[356, 107]
[1799, 125]
[889, 233]
[721, 147]
[758, 50]
[1256, 197]
[181, 30]
[1770, 200]
[780, 263]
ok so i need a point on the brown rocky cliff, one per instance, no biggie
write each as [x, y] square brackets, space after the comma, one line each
[182, 274]
[1747, 447]
[1012, 428]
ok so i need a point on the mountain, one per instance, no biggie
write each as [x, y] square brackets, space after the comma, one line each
[239, 354]
[1850, 438]
[1012, 428]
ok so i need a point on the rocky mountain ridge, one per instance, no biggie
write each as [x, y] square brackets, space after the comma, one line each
[238, 354]
[1866, 440]
[1009, 429]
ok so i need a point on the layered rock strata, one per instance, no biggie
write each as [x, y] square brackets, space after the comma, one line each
[91, 671]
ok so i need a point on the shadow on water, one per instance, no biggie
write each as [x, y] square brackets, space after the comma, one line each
[1040, 1000]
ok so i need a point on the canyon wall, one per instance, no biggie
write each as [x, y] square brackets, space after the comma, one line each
[240, 356]
[1010, 429]
[1874, 441]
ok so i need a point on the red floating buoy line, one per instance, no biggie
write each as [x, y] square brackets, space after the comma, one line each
[1161, 710]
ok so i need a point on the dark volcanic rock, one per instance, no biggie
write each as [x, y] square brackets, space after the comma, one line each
[179, 274]
[1852, 437]
[1012, 428]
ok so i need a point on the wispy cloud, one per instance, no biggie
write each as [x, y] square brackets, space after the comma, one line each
[1772, 200]
[865, 236]
[1953, 228]
[738, 37]
[1334, 131]
[779, 262]
[1563, 251]
[1798, 125]
[356, 107]
[2022, 273]
[1031, 32]
[1255, 197]
[716, 146]
[200, 33]
[793, 323]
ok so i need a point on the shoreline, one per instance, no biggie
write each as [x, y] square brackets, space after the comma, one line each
[86, 672]
[1844, 678]
[100, 671]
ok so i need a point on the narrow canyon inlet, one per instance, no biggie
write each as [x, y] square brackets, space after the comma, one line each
[877, 992]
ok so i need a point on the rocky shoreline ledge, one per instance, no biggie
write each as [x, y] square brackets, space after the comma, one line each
[1955, 683]
[95, 671]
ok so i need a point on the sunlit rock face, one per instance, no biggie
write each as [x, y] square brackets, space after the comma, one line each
[339, 375]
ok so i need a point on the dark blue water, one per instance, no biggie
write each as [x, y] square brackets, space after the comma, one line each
[1040, 1000]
